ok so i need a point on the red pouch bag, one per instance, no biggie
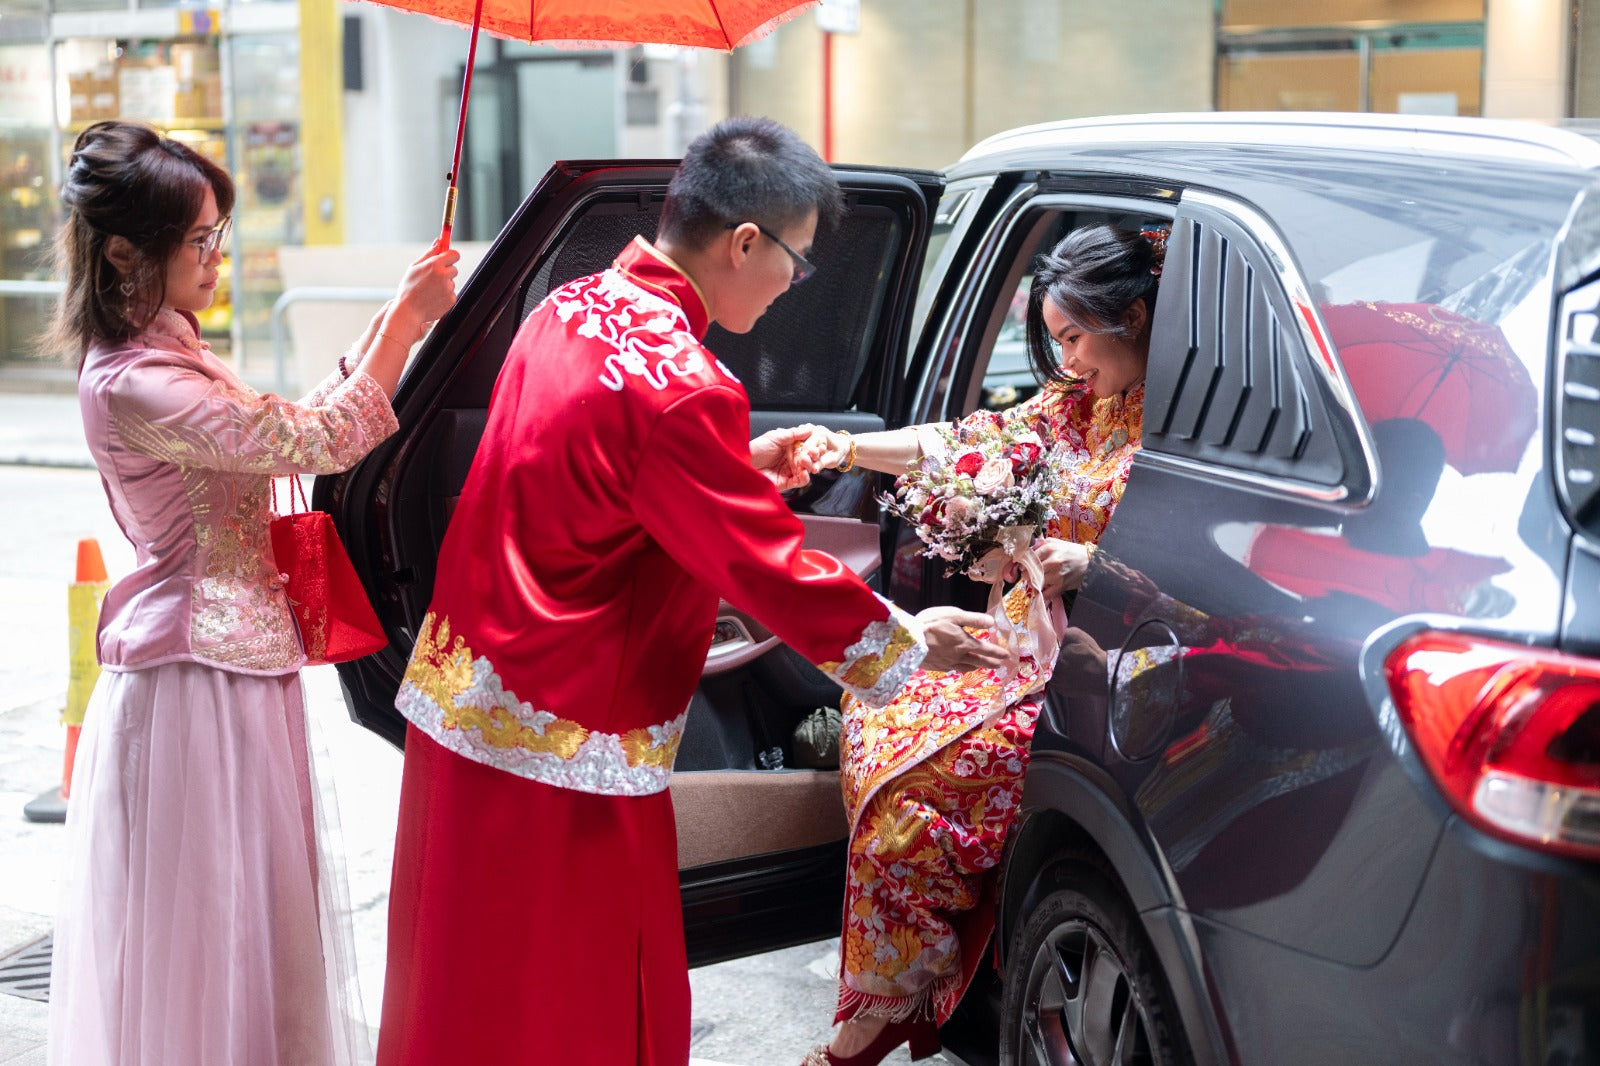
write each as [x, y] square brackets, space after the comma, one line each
[330, 606]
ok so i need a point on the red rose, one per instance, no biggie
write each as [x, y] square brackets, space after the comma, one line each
[933, 514]
[969, 463]
[1024, 456]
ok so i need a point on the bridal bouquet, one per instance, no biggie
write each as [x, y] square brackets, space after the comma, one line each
[977, 500]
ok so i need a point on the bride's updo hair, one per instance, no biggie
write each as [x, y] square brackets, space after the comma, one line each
[124, 180]
[1093, 275]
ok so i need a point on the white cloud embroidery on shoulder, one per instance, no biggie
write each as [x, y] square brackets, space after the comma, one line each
[649, 336]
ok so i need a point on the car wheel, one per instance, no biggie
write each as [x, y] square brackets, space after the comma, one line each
[1082, 986]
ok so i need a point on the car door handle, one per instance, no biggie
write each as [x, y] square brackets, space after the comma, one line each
[737, 638]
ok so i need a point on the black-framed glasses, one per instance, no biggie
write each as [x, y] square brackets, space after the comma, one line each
[803, 267]
[211, 240]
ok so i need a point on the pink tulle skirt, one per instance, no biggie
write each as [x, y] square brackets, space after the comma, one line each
[199, 926]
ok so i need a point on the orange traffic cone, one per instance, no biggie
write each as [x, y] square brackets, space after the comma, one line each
[83, 620]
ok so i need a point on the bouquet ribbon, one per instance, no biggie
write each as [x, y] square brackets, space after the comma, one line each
[1042, 621]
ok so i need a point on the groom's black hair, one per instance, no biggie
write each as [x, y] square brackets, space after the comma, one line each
[747, 169]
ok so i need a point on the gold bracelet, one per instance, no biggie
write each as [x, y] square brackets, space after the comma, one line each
[850, 457]
[396, 340]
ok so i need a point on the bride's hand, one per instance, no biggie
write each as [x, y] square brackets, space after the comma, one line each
[827, 448]
[1064, 564]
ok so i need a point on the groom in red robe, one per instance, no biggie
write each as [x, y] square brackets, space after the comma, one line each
[535, 917]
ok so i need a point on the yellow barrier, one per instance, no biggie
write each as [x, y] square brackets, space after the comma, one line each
[83, 622]
[88, 588]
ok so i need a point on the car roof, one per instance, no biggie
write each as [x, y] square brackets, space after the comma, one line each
[1043, 146]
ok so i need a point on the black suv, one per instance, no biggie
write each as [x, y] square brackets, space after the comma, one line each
[1318, 775]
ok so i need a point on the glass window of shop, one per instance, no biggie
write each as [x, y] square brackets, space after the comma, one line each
[27, 198]
[513, 132]
[1585, 85]
[268, 208]
[1405, 56]
[232, 97]
[923, 80]
[175, 85]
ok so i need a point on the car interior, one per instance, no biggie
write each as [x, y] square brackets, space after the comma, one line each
[998, 373]
[741, 789]
[744, 786]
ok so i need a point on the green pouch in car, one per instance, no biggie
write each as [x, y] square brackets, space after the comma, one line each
[816, 740]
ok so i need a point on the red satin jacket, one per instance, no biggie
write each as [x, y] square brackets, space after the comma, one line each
[610, 504]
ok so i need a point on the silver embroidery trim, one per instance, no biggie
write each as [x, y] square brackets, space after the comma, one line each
[875, 639]
[599, 766]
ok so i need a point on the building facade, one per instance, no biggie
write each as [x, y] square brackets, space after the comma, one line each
[337, 119]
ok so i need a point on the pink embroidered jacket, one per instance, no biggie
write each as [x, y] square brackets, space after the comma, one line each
[186, 452]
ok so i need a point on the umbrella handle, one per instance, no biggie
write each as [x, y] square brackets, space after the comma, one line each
[449, 216]
[461, 129]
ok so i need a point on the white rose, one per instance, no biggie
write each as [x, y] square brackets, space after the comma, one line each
[994, 478]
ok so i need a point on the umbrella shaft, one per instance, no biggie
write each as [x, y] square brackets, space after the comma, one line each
[461, 125]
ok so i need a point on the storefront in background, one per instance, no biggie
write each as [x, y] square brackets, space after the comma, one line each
[225, 81]
[1405, 56]
[917, 82]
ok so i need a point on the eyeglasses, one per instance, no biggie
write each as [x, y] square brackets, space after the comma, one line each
[803, 267]
[209, 242]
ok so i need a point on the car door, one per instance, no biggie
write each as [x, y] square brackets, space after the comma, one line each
[1235, 722]
[761, 825]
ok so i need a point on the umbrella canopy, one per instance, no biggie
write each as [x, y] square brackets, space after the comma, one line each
[722, 24]
[1313, 564]
[1456, 374]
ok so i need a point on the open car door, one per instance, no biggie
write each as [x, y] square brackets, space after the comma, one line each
[761, 839]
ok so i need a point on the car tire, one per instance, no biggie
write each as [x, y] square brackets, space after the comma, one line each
[1082, 986]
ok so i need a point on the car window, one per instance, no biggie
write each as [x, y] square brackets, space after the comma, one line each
[813, 348]
[1007, 380]
[1003, 373]
[1471, 241]
[1231, 380]
[957, 208]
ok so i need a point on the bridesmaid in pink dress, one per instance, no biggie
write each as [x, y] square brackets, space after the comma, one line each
[196, 925]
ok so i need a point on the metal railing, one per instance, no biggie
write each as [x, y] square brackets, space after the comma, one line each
[278, 324]
[31, 288]
[27, 290]
[310, 294]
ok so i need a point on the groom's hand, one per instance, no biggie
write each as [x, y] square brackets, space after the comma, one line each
[951, 648]
[781, 455]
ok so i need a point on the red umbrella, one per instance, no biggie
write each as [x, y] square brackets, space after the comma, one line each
[1316, 564]
[720, 24]
[1456, 374]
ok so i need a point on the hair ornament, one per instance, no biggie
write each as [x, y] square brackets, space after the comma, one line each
[1157, 235]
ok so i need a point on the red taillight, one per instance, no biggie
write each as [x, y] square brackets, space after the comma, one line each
[1511, 734]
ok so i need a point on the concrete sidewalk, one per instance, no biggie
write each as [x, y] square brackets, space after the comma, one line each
[767, 1009]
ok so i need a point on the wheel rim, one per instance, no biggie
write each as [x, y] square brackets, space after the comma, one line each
[1081, 1007]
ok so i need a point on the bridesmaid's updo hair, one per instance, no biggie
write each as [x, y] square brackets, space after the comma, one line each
[124, 180]
[1093, 275]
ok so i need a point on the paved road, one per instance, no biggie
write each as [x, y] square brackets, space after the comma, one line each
[752, 1012]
